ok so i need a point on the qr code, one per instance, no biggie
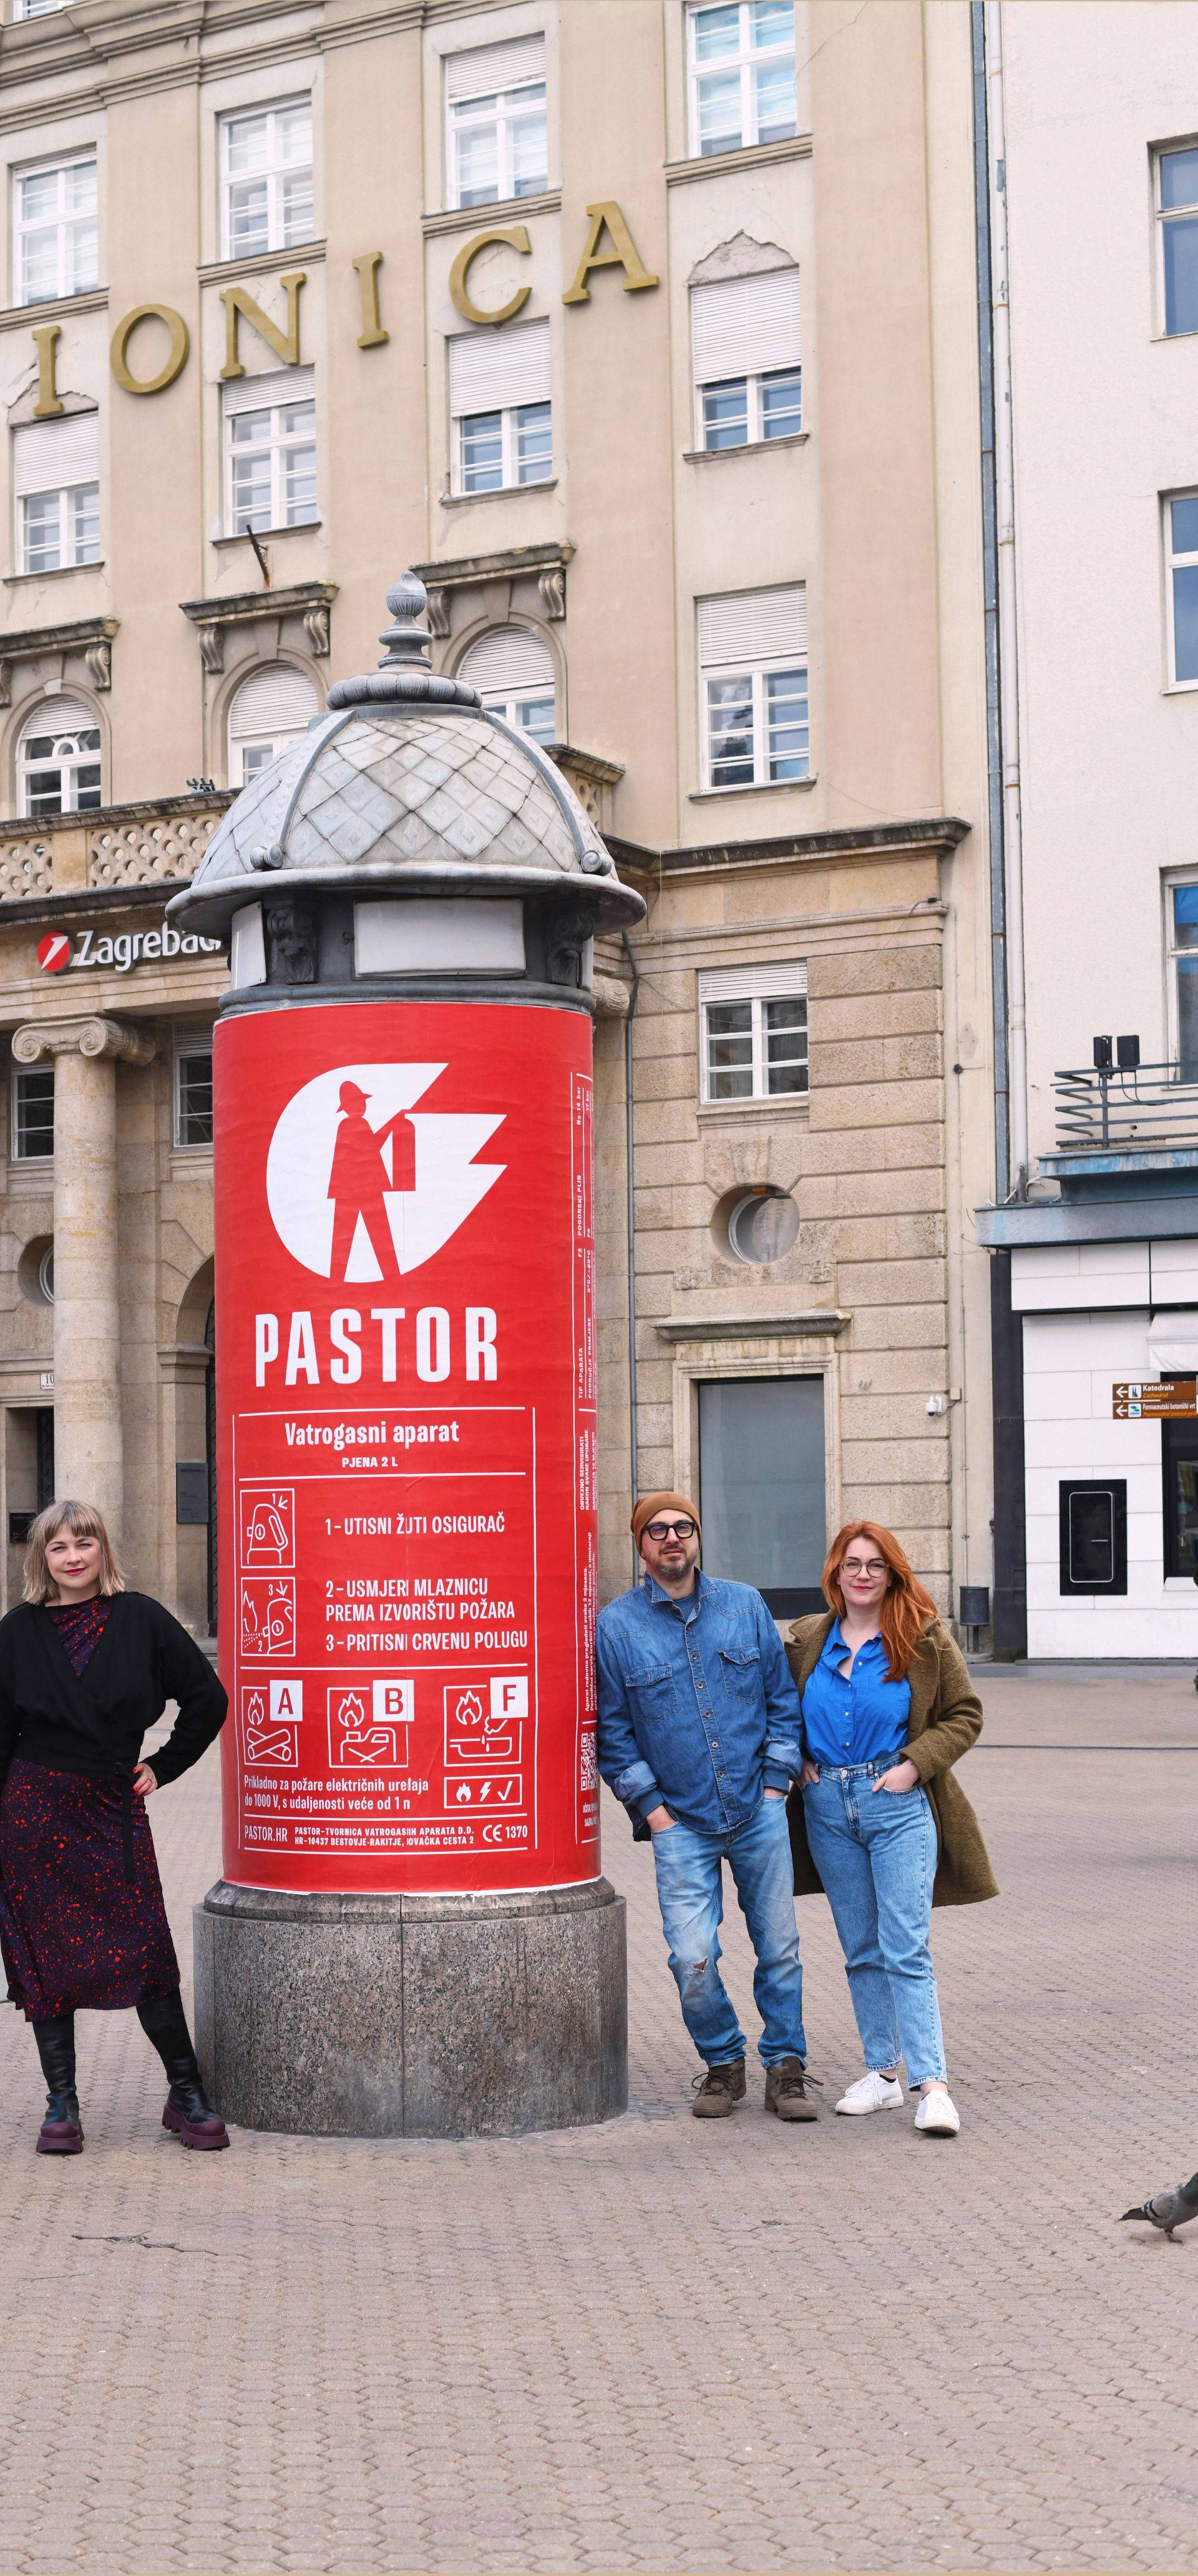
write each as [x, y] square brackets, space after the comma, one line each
[589, 1776]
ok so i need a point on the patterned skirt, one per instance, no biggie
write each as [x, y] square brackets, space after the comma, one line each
[74, 1934]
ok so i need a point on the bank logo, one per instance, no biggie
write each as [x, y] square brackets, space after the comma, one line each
[358, 1188]
[54, 952]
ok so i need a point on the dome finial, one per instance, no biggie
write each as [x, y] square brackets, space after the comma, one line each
[407, 643]
[405, 673]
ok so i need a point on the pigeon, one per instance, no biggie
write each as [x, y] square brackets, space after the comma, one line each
[1169, 2209]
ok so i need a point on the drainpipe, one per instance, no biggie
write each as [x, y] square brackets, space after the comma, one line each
[994, 790]
[630, 1203]
[1008, 655]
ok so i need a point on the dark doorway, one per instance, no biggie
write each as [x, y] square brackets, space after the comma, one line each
[210, 1454]
[1179, 1460]
[761, 1487]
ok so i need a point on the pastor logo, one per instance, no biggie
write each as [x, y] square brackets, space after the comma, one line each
[54, 952]
[358, 1188]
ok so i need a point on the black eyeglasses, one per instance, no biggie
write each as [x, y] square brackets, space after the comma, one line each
[669, 1529]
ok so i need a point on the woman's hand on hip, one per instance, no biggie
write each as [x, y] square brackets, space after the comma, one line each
[144, 1782]
[903, 1776]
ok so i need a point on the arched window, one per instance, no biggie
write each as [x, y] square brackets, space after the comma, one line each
[270, 709]
[58, 759]
[512, 671]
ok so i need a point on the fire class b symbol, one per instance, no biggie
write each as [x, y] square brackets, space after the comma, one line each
[368, 1724]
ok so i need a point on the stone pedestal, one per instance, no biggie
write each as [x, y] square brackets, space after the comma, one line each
[413, 2016]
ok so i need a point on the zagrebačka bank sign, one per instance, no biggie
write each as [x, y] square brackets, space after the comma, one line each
[119, 951]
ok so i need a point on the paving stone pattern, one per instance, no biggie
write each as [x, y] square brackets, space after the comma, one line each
[664, 2344]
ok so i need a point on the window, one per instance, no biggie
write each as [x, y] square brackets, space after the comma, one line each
[56, 484]
[1181, 553]
[496, 145]
[500, 411]
[762, 1495]
[1179, 1461]
[1094, 1536]
[193, 1092]
[745, 337]
[266, 179]
[1181, 938]
[753, 1032]
[270, 450]
[55, 236]
[58, 760]
[1177, 223]
[513, 671]
[753, 677]
[742, 74]
[270, 709]
[35, 8]
[32, 1097]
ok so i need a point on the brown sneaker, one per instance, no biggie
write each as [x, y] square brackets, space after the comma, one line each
[719, 2091]
[785, 2090]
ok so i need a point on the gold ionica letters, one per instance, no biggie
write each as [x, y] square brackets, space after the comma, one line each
[608, 244]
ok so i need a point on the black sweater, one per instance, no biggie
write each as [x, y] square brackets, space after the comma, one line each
[93, 1722]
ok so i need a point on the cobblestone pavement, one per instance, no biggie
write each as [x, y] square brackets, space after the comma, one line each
[663, 2344]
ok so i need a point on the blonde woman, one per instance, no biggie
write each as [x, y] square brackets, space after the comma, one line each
[85, 1668]
[877, 1820]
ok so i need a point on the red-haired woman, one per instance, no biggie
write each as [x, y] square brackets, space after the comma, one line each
[878, 1820]
[85, 1668]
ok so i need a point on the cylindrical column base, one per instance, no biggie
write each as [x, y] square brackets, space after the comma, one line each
[413, 2016]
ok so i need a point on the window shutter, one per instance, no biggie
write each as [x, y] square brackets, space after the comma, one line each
[743, 326]
[766, 983]
[50, 454]
[258, 393]
[488, 68]
[489, 370]
[276, 700]
[57, 716]
[753, 626]
[510, 658]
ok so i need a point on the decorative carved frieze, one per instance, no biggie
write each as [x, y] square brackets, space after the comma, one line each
[86, 639]
[309, 602]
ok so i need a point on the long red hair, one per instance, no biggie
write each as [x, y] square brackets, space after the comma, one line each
[906, 1605]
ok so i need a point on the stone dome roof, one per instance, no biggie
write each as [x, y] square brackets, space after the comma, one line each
[406, 783]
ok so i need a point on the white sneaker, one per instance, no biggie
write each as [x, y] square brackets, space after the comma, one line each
[872, 2093]
[937, 2115]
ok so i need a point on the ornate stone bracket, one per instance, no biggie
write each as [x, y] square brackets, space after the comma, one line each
[309, 601]
[95, 1036]
[545, 564]
[88, 639]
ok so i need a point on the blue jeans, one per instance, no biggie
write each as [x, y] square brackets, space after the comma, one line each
[876, 1854]
[690, 1892]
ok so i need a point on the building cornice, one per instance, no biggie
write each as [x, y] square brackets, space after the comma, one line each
[212, 618]
[940, 835]
[87, 638]
[752, 156]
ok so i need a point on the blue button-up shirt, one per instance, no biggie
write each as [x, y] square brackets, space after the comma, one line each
[861, 1718]
[697, 1709]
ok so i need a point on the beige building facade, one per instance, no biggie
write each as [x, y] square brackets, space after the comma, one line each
[647, 333]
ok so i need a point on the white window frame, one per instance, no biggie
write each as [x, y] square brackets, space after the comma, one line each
[756, 985]
[743, 61]
[59, 163]
[1174, 563]
[274, 171]
[508, 705]
[508, 416]
[757, 673]
[1166, 215]
[507, 110]
[23, 9]
[278, 445]
[18, 1085]
[188, 1044]
[69, 770]
[69, 497]
[754, 413]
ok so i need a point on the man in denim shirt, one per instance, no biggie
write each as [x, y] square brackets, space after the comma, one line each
[700, 1737]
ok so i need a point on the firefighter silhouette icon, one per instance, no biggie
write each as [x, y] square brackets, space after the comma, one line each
[362, 1186]
[368, 1724]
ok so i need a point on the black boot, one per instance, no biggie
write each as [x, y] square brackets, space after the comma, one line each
[187, 2114]
[61, 2132]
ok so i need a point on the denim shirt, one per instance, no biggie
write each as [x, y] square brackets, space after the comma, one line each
[859, 1719]
[697, 1709]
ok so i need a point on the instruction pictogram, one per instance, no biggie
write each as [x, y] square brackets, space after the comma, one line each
[368, 1724]
[483, 1720]
[268, 1615]
[267, 1518]
[270, 1723]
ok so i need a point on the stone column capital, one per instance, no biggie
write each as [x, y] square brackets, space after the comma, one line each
[95, 1036]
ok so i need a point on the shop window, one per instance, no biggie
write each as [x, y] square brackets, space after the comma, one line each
[1177, 226]
[512, 669]
[500, 409]
[742, 74]
[745, 344]
[753, 1032]
[56, 486]
[753, 679]
[58, 760]
[193, 1093]
[1179, 1462]
[497, 140]
[266, 179]
[55, 230]
[1093, 1534]
[270, 452]
[31, 1092]
[270, 709]
[761, 1486]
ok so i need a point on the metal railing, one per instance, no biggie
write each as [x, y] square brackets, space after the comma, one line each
[1127, 1108]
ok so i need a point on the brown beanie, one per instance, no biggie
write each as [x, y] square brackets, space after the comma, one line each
[650, 1505]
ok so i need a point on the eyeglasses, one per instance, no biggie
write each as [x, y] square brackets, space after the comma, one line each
[874, 1567]
[669, 1529]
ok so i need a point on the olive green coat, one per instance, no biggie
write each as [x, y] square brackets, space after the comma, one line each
[946, 1718]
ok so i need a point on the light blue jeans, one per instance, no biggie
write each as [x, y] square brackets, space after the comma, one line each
[690, 1892]
[876, 1854]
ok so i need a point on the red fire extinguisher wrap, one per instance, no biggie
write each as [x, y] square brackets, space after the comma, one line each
[407, 1449]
